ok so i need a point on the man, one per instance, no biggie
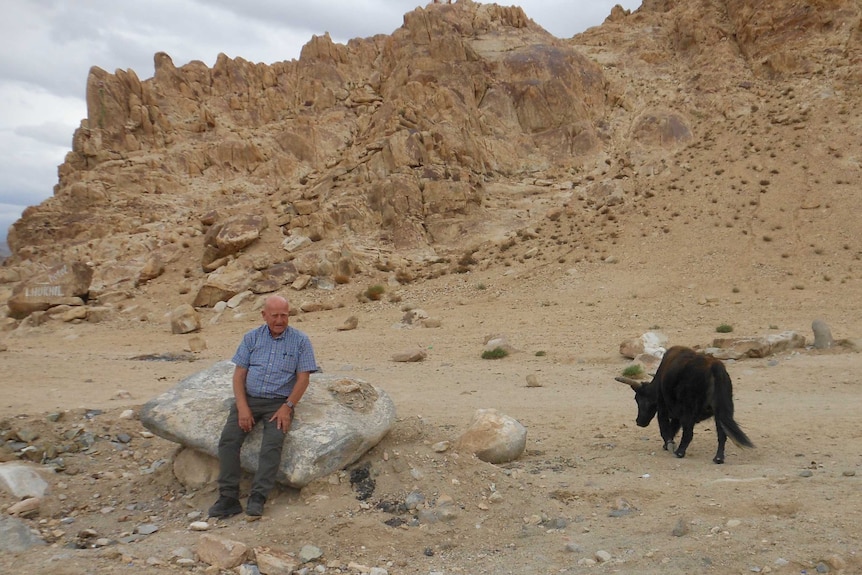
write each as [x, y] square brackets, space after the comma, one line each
[273, 365]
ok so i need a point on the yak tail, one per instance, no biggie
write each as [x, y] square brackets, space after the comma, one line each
[724, 407]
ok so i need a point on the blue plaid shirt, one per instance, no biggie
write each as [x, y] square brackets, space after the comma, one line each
[273, 362]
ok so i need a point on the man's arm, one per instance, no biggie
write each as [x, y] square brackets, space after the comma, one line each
[284, 415]
[246, 420]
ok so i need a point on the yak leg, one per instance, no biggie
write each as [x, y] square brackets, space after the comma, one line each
[668, 427]
[722, 439]
[687, 435]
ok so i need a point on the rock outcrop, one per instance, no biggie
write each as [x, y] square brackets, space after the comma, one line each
[403, 152]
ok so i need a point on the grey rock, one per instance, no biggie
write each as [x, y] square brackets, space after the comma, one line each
[337, 421]
[822, 334]
[309, 553]
[22, 480]
[15, 536]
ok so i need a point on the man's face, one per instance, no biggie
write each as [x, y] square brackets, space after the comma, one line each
[276, 315]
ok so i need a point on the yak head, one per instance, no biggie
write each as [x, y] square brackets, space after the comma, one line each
[646, 398]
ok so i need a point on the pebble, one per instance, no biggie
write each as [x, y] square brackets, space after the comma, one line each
[309, 553]
[146, 529]
[441, 446]
[806, 473]
[199, 526]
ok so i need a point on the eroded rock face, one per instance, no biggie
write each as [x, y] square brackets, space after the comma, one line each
[337, 421]
[411, 146]
[458, 91]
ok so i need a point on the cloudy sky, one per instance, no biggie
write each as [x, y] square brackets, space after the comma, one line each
[48, 46]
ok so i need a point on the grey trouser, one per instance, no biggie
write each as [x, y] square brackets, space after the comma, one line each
[230, 444]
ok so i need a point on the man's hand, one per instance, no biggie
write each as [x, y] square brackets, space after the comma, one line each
[245, 418]
[283, 418]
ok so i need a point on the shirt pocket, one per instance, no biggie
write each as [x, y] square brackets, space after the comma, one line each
[289, 363]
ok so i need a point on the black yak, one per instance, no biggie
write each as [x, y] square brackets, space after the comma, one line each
[688, 387]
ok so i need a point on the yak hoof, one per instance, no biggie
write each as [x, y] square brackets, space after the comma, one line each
[718, 460]
[669, 446]
[679, 453]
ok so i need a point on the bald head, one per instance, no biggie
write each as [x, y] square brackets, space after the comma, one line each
[276, 313]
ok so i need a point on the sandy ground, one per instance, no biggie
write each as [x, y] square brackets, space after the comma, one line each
[592, 494]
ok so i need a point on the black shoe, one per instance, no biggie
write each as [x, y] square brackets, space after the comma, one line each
[225, 507]
[254, 507]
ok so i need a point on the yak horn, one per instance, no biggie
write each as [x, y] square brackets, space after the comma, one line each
[635, 384]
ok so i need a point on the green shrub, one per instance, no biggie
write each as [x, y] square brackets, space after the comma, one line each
[541, 353]
[496, 353]
[375, 292]
[724, 328]
[634, 371]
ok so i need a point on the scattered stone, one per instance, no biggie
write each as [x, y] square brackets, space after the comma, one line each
[221, 552]
[22, 480]
[498, 341]
[248, 569]
[295, 243]
[441, 446]
[25, 507]
[301, 282]
[652, 343]
[197, 344]
[431, 323]
[146, 529]
[237, 300]
[199, 526]
[410, 356]
[274, 561]
[822, 334]
[309, 553]
[493, 437]
[680, 529]
[350, 323]
[184, 319]
[414, 316]
[533, 380]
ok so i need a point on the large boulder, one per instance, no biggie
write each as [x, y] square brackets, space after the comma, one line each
[65, 284]
[231, 236]
[337, 421]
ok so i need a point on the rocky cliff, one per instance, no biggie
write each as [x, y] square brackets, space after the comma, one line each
[412, 153]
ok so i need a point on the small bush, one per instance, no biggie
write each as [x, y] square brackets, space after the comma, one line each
[541, 353]
[634, 371]
[496, 353]
[374, 292]
[724, 328]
